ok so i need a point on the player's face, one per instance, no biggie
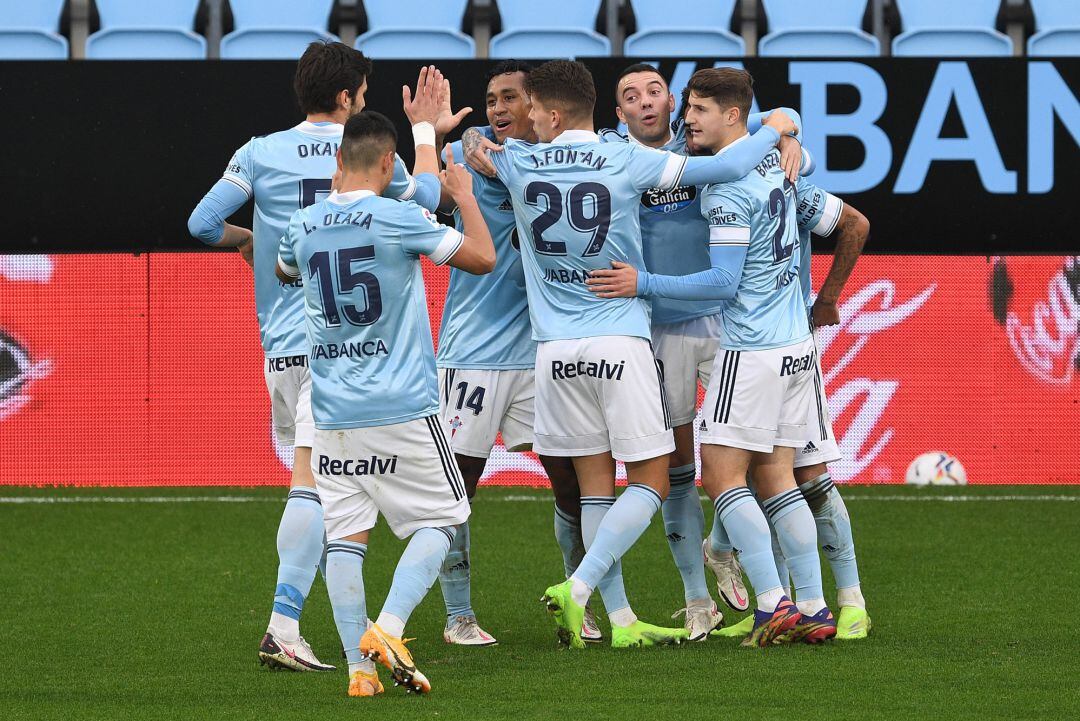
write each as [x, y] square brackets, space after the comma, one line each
[358, 101]
[544, 121]
[707, 123]
[645, 104]
[508, 107]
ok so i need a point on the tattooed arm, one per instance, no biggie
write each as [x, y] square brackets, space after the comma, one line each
[852, 231]
[475, 148]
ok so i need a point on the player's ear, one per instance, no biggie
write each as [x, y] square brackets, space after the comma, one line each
[344, 101]
[619, 114]
[338, 155]
[388, 162]
[671, 102]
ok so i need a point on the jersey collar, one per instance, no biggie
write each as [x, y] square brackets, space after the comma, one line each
[349, 198]
[733, 143]
[322, 130]
[567, 137]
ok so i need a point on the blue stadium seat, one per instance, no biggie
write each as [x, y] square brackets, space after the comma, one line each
[673, 28]
[275, 29]
[141, 30]
[957, 27]
[1058, 26]
[28, 30]
[833, 28]
[548, 29]
[430, 28]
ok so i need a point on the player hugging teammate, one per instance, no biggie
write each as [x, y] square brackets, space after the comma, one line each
[684, 257]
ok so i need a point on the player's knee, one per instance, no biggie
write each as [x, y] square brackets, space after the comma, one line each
[809, 473]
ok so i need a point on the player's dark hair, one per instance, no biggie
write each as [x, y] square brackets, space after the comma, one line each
[564, 84]
[324, 70]
[727, 86]
[508, 66]
[368, 136]
[637, 68]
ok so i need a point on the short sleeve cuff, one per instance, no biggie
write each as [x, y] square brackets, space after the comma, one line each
[290, 270]
[410, 190]
[830, 216]
[451, 242]
[719, 235]
[673, 171]
[238, 182]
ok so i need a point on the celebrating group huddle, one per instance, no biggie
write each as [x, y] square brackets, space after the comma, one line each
[597, 279]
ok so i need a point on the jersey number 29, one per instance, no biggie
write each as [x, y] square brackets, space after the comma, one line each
[580, 197]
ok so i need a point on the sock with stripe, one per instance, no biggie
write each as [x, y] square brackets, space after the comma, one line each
[719, 543]
[622, 526]
[834, 537]
[568, 536]
[415, 573]
[454, 577]
[612, 590]
[738, 510]
[797, 534]
[684, 525]
[300, 547]
[345, 586]
[781, 562]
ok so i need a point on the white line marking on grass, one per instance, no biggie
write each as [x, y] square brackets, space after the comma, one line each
[539, 498]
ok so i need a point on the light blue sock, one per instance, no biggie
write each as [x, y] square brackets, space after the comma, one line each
[684, 525]
[795, 530]
[415, 573]
[834, 528]
[454, 576]
[568, 536]
[345, 585]
[718, 538]
[749, 532]
[622, 526]
[300, 547]
[781, 563]
[611, 587]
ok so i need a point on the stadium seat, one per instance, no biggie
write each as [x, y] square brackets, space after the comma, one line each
[141, 30]
[958, 27]
[276, 29]
[28, 30]
[834, 28]
[673, 28]
[548, 29]
[1058, 26]
[430, 28]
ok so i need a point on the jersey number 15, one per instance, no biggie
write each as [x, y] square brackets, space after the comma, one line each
[348, 281]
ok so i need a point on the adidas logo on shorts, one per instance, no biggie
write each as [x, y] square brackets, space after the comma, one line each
[703, 427]
[810, 448]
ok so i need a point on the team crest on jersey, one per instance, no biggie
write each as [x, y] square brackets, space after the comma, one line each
[17, 371]
[454, 425]
[668, 201]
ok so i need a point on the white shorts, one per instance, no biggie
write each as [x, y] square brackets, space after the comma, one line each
[820, 443]
[404, 471]
[685, 352]
[477, 404]
[289, 383]
[758, 399]
[600, 394]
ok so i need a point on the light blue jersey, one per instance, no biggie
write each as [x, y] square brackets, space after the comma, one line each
[285, 171]
[759, 212]
[485, 321]
[576, 204]
[372, 361]
[818, 212]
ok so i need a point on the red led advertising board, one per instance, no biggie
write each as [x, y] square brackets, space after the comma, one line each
[146, 370]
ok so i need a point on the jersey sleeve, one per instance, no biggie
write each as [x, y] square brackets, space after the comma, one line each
[403, 184]
[422, 234]
[286, 253]
[728, 212]
[651, 168]
[240, 171]
[504, 163]
[818, 211]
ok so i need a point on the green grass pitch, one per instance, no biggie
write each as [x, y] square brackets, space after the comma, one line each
[154, 610]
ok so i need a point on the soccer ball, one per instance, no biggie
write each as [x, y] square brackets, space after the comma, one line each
[936, 468]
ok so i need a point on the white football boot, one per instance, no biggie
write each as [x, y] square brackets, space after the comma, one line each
[729, 578]
[701, 618]
[291, 655]
[465, 631]
[590, 630]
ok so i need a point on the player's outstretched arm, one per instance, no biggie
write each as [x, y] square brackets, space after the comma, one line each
[852, 231]
[717, 283]
[207, 220]
[475, 147]
[477, 252]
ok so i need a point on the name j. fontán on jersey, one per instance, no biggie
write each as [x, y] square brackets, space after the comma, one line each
[360, 349]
